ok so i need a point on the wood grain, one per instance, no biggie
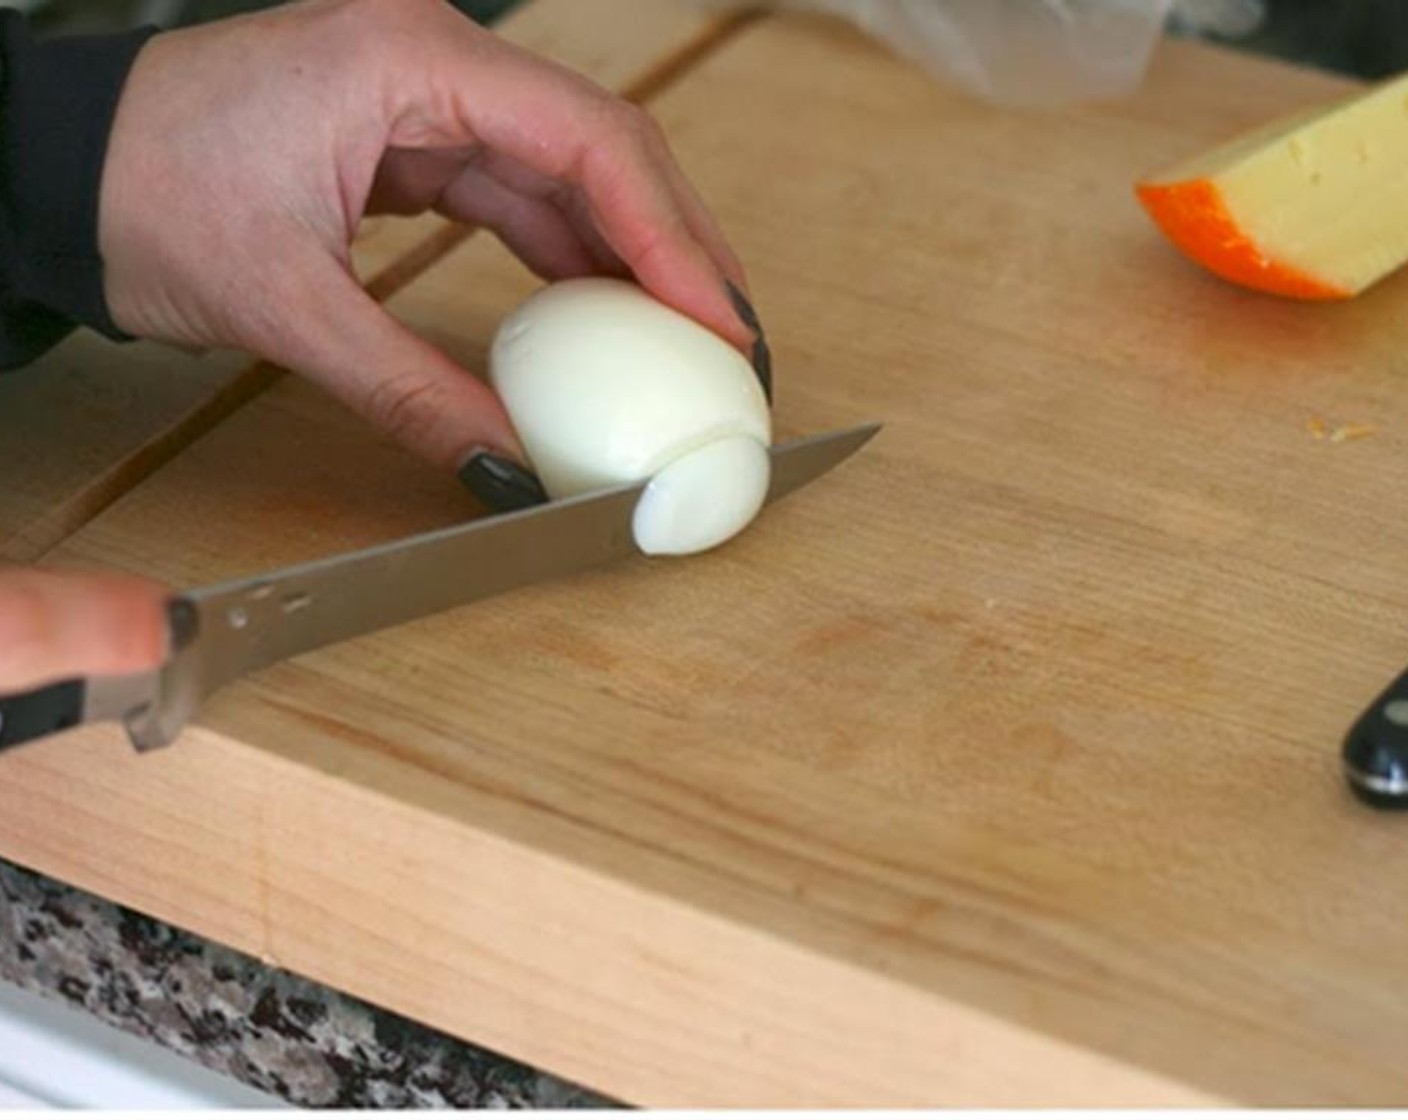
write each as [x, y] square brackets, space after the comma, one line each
[71, 421]
[92, 419]
[997, 767]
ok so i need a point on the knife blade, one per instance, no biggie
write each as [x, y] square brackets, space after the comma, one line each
[221, 632]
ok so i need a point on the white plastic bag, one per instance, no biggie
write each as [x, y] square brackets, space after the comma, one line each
[1032, 53]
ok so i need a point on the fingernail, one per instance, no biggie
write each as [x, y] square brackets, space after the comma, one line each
[500, 483]
[762, 366]
[762, 356]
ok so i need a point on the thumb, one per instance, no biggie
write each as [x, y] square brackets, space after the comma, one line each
[55, 625]
[346, 342]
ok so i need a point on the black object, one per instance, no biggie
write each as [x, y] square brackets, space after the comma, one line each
[762, 355]
[501, 484]
[1368, 38]
[57, 103]
[1375, 751]
[45, 711]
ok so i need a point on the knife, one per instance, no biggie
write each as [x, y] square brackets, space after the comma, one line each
[221, 632]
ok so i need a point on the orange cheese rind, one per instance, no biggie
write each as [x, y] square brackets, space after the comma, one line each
[1313, 205]
[1194, 216]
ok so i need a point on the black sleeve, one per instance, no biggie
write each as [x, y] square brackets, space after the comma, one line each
[57, 103]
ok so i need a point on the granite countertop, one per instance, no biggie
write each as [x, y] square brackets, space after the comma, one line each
[265, 1027]
[314, 1047]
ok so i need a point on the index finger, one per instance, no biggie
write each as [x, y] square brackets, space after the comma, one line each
[481, 89]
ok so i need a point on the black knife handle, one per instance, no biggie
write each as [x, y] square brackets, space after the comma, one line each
[45, 711]
[1375, 753]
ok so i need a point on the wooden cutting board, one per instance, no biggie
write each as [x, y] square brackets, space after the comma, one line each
[998, 767]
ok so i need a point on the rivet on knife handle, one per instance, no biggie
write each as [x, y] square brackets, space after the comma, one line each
[1375, 753]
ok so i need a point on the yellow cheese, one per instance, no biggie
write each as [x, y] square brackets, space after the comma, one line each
[1314, 207]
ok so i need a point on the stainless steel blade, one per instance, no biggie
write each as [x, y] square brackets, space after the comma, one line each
[798, 462]
[230, 629]
[120, 698]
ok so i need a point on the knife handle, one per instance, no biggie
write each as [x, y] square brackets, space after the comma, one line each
[1375, 752]
[45, 711]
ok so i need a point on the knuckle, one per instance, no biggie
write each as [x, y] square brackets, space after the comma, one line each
[639, 126]
[405, 407]
[349, 17]
[374, 30]
[652, 131]
[381, 13]
[657, 251]
[622, 124]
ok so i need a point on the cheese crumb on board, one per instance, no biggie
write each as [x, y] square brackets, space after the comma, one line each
[1347, 432]
[1322, 432]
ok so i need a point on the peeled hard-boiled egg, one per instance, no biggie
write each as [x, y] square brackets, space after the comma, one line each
[607, 385]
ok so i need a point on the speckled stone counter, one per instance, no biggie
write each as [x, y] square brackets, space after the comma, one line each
[263, 1026]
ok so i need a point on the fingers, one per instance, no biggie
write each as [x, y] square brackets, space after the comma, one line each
[56, 625]
[703, 225]
[411, 181]
[342, 339]
[539, 234]
[628, 180]
[537, 217]
[579, 213]
[565, 128]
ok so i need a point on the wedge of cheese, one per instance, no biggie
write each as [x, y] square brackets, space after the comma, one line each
[1313, 207]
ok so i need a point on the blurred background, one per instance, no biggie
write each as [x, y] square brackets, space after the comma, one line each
[1368, 38]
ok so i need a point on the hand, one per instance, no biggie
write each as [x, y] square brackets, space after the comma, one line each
[56, 625]
[245, 153]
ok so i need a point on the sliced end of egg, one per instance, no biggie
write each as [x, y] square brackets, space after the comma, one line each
[703, 498]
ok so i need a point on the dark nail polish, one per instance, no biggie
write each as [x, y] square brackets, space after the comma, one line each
[762, 366]
[500, 483]
[762, 356]
[743, 307]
